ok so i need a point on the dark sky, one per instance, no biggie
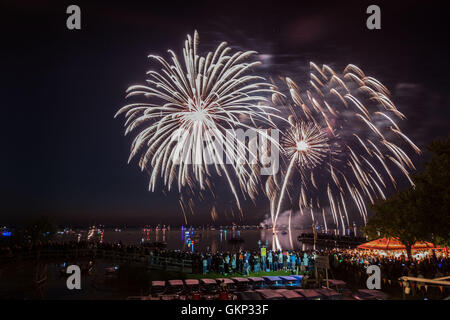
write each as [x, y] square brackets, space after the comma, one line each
[64, 154]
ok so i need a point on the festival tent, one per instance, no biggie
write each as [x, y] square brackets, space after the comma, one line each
[394, 244]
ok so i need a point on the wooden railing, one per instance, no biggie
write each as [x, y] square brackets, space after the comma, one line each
[171, 264]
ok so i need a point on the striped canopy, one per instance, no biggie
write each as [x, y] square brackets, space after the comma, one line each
[393, 244]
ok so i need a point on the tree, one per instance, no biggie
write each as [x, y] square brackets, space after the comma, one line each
[433, 192]
[398, 217]
[420, 213]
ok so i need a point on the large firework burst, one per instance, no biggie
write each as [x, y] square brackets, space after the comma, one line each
[306, 144]
[182, 131]
[344, 141]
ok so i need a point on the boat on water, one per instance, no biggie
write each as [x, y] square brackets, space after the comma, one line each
[289, 294]
[242, 284]
[94, 234]
[274, 282]
[240, 288]
[257, 282]
[268, 294]
[292, 282]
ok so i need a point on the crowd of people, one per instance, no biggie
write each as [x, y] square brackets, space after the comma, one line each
[246, 262]
[351, 265]
[333, 238]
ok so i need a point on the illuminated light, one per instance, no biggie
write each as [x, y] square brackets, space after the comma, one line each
[332, 141]
[207, 94]
[302, 145]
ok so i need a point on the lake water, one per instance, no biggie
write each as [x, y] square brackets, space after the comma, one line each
[203, 240]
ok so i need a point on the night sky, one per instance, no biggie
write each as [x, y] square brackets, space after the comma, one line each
[63, 153]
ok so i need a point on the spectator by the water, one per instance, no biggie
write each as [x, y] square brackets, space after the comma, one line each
[205, 265]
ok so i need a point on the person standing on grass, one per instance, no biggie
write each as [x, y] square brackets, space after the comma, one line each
[263, 258]
[209, 259]
[275, 261]
[241, 262]
[252, 262]
[205, 265]
[227, 263]
[221, 265]
[257, 263]
[280, 260]
[288, 258]
[269, 259]
[233, 263]
[293, 259]
[247, 261]
[305, 262]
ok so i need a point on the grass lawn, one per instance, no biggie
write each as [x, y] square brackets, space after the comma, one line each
[212, 275]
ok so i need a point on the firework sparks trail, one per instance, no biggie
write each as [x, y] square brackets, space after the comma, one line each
[195, 105]
[290, 230]
[341, 127]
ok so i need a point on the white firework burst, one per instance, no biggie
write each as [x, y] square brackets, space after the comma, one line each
[306, 143]
[344, 138]
[194, 105]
